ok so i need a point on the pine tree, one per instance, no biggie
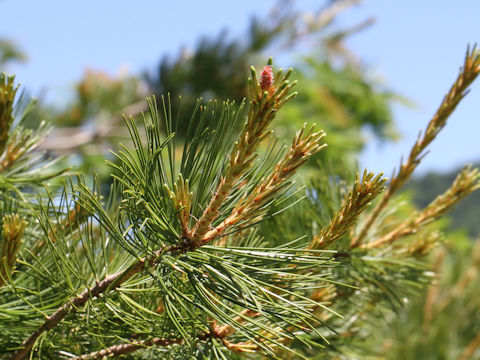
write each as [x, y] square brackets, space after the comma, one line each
[205, 247]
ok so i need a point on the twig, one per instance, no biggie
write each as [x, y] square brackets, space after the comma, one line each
[122, 349]
[470, 350]
[356, 201]
[470, 70]
[219, 332]
[303, 147]
[110, 282]
[465, 183]
[269, 95]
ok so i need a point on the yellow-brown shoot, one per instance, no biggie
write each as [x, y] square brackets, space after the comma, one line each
[7, 97]
[304, 145]
[355, 202]
[13, 144]
[182, 202]
[14, 148]
[468, 73]
[424, 244]
[465, 183]
[13, 228]
[265, 102]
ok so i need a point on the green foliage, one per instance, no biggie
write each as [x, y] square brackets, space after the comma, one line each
[92, 121]
[206, 253]
[441, 323]
[343, 101]
[162, 283]
[100, 96]
[205, 247]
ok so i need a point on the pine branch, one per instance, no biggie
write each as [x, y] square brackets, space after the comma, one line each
[218, 332]
[110, 282]
[271, 94]
[465, 183]
[468, 73]
[356, 201]
[268, 297]
[303, 147]
[268, 94]
[18, 162]
[232, 268]
[127, 348]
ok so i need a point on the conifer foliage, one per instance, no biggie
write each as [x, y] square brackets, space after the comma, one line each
[190, 253]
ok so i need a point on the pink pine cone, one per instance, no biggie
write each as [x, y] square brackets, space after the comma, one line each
[266, 78]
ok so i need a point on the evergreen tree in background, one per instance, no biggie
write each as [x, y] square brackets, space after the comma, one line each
[335, 90]
[9, 52]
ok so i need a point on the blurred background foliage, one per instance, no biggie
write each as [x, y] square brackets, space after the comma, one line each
[336, 93]
[9, 52]
[442, 322]
[463, 217]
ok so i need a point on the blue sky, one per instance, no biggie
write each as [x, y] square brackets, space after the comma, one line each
[418, 46]
[415, 46]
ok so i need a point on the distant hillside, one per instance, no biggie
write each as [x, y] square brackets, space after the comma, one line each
[465, 215]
